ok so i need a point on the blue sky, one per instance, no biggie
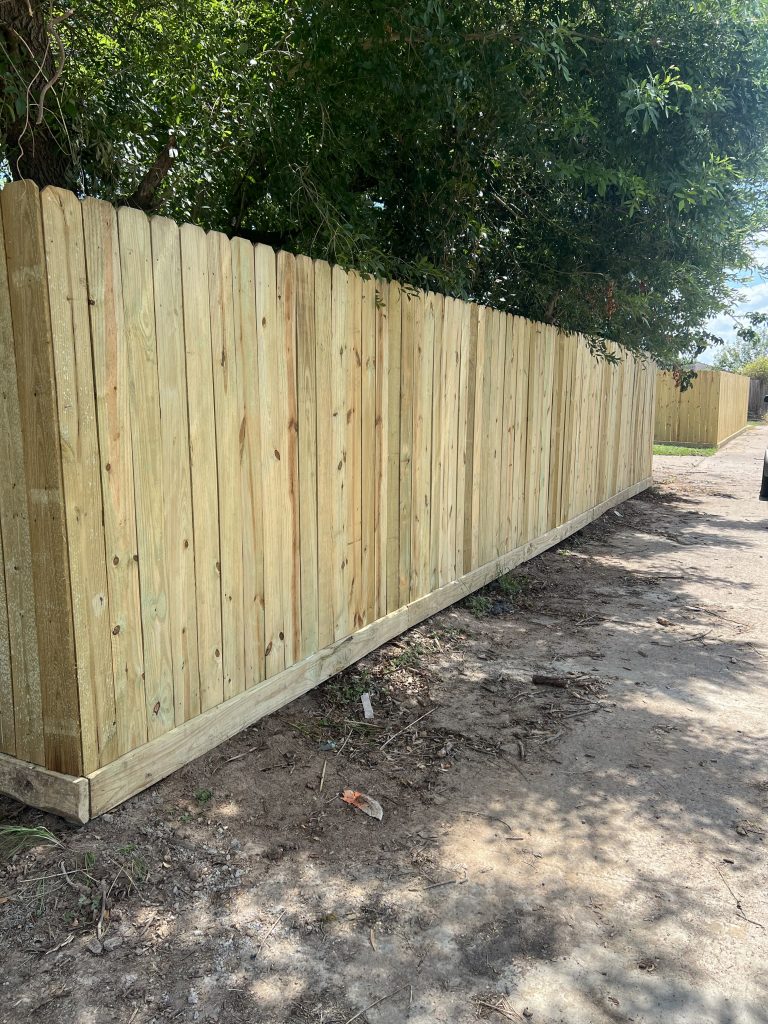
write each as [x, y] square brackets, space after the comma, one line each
[753, 295]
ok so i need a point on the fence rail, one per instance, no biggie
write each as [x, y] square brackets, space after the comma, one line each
[709, 413]
[233, 470]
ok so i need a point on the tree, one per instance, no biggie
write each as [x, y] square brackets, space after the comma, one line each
[750, 349]
[595, 165]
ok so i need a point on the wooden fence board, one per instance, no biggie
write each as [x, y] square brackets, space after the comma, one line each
[427, 314]
[203, 463]
[353, 448]
[369, 461]
[176, 480]
[411, 325]
[26, 706]
[381, 427]
[307, 400]
[229, 415]
[42, 476]
[144, 391]
[251, 452]
[394, 341]
[329, 453]
[71, 337]
[112, 389]
[340, 377]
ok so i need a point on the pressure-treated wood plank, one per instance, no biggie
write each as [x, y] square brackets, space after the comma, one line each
[480, 437]
[24, 668]
[466, 438]
[328, 453]
[438, 428]
[506, 501]
[230, 439]
[251, 482]
[520, 488]
[368, 450]
[393, 298]
[381, 427]
[139, 769]
[176, 470]
[7, 723]
[65, 795]
[272, 410]
[446, 500]
[203, 463]
[428, 313]
[410, 326]
[496, 424]
[340, 356]
[308, 411]
[353, 447]
[112, 389]
[547, 342]
[30, 311]
[149, 492]
[68, 294]
[289, 450]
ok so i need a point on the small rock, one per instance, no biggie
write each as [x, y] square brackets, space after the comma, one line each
[95, 947]
[111, 942]
[193, 998]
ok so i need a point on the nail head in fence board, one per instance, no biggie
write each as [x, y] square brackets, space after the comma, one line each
[327, 455]
[149, 491]
[176, 472]
[28, 289]
[393, 297]
[111, 382]
[307, 406]
[203, 463]
[289, 449]
[141, 768]
[75, 388]
[252, 489]
[273, 412]
[24, 668]
[229, 414]
[57, 793]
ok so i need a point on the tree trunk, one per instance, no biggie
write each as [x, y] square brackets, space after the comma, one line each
[34, 150]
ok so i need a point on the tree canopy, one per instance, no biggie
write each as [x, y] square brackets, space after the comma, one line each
[597, 165]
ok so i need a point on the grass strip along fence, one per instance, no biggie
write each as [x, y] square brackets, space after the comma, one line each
[228, 473]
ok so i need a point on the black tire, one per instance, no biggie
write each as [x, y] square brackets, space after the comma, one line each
[764, 486]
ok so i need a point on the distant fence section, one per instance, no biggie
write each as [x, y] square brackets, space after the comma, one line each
[757, 405]
[230, 472]
[709, 413]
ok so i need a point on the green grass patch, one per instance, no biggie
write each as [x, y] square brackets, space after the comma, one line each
[677, 449]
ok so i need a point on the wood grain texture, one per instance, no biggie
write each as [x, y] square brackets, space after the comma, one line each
[329, 450]
[54, 792]
[26, 705]
[84, 513]
[38, 413]
[203, 464]
[229, 433]
[394, 346]
[109, 353]
[307, 401]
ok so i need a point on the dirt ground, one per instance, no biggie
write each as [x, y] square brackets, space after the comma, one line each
[587, 853]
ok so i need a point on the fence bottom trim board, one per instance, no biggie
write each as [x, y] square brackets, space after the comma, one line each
[77, 799]
[65, 795]
[705, 444]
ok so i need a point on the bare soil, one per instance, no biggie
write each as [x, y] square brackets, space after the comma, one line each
[593, 851]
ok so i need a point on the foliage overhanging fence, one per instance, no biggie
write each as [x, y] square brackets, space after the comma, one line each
[712, 411]
[228, 473]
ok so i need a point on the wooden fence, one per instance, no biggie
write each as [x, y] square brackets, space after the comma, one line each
[231, 473]
[710, 413]
[757, 405]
